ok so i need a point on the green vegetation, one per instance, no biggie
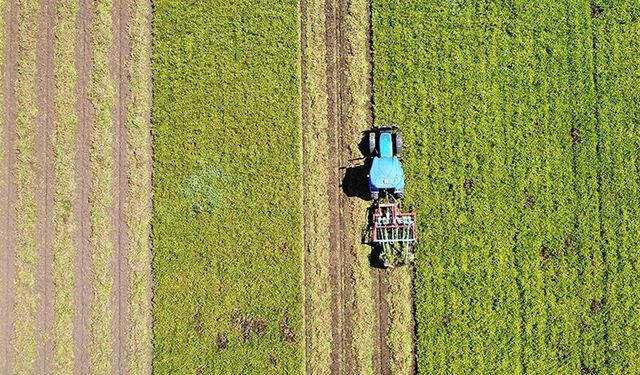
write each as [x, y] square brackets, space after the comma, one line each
[64, 156]
[138, 207]
[617, 84]
[102, 96]
[519, 125]
[316, 199]
[26, 295]
[227, 188]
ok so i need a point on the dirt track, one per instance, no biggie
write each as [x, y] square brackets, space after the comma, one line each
[345, 212]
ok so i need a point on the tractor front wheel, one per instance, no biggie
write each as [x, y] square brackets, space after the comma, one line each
[372, 143]
[398, 144]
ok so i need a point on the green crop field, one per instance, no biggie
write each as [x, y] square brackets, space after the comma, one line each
[227, 188]
[521, 132]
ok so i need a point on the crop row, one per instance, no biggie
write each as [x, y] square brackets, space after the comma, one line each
[26, 296]
[227, 188]
[64, 156]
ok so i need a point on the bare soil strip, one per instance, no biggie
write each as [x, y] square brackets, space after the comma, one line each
[337, 73]
[8, 200]
[120, 51]
[339, 359]
[44, 195]
[83, 180]
[381, 286]
[380, 292]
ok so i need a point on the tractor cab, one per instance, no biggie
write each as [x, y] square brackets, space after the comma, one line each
[386, 174]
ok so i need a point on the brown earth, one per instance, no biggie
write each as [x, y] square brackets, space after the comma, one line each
[121, 50]
[45, 182]
[82, 287]
[9, 196]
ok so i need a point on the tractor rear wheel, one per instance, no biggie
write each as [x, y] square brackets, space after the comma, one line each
[398, 144]
[372, 143]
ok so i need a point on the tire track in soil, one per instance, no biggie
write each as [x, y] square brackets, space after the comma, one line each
[380, 281]
[342, 362]
[8, 244]
[121, 49]
[44, 181]
[82, 288]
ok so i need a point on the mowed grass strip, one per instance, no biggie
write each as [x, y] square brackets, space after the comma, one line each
[26, 295]
[137, 206]
[399, 336]
[356, 106]
[64, 156]
[227, 227]
[490, 97]
[102, 97]
[316, 200]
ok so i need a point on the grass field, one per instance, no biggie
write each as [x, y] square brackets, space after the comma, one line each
[521, 157]
[227, 188]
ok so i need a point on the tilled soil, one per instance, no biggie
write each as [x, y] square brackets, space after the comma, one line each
[8, 201]
[82, 287]
[46, 187]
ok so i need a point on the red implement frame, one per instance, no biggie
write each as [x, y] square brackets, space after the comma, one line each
[390, 225]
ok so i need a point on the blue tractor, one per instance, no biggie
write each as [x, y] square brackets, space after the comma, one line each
[386, 175]
[393, 232]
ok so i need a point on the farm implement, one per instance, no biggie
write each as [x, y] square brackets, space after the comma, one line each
[393, 232]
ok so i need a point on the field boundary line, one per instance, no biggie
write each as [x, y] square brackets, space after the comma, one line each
[8, 248]
[304, 173]
[83, 267]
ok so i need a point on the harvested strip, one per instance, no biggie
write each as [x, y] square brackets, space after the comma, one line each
[26, 170]
[65, 189]
[399, 334]
[138, 208]
[102, 96]
[316, 200]
[356, 107]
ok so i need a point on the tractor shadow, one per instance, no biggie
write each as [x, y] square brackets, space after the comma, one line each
[355, 182]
